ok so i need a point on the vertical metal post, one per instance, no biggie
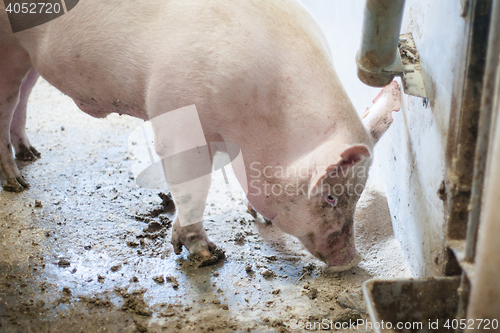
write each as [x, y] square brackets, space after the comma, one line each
[484, 126]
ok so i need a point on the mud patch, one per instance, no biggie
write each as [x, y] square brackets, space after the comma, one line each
[135, 303]
[218, 255]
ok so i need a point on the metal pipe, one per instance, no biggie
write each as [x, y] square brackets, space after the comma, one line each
[378, 55]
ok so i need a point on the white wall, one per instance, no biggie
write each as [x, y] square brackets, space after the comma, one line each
[409, 159]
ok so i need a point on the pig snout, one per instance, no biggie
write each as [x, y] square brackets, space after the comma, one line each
[336, 248]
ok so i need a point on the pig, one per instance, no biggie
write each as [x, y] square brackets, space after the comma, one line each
[260, 75]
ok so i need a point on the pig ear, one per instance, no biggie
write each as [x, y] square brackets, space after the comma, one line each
[349, 156]
[353, 155]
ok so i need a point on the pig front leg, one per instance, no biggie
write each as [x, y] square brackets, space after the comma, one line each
[378, 118]
[24, 150]
[14, 67]
[180, 142]
[190, 198]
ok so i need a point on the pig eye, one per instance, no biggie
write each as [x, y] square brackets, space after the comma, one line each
[330, 199]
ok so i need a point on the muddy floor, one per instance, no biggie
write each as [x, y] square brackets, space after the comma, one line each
[87, 250]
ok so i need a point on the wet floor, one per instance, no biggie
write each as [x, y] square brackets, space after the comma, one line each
[87, 250]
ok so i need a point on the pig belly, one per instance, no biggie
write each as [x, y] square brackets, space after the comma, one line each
[101, 110]
[99, 54]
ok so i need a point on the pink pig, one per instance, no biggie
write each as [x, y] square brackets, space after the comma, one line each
[261, 77]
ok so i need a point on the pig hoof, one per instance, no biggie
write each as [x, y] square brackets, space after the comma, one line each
[201, 251]
[177, 246]
[252, 211]
[27, 154]
[254, 214]
[201, 256]
[20, 179]
[35, 152]
[15, 185]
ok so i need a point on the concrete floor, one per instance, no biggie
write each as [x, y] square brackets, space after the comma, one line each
[82, 250]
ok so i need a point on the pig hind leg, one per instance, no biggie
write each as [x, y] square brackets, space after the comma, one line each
[24, 151]
[14, 67]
